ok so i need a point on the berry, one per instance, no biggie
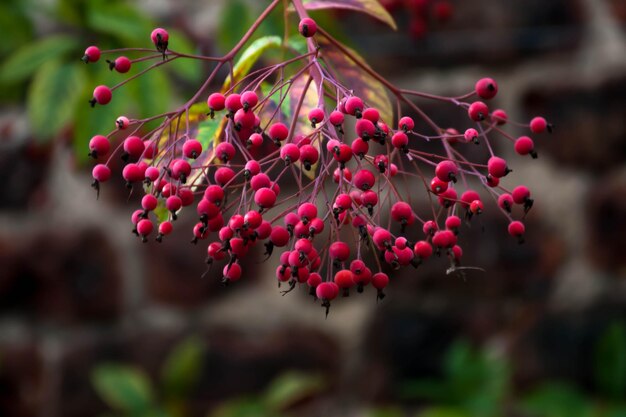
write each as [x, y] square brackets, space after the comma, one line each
[521, 195]
[423, 249]
[248, 100]
[539, 125]
[365, 128]
[316, 115]
[447, 198]
[99, 146]
[380, 280]
[307, 27]
[371, 114]
[327, 291]
[524, 146]
[444, 239]
[446, 171]
[134, 146]
[214, 194]
[165, 228]
[476, 207]
[122, 122]
[233, 102]
[132, 173]
[486, 88]
[101, 173]
[216, 102]
[278, 132]
[225, 151]
[309, 155]
[400, 140]
[453, 223]
[121, 65]
[471, 135]
[499, 117]
[160, 38]
[192, 149]
[478, 111]
[406, 123]
[289, 153]
[336, 118]
[232, 272]
[364, 179]
[339, 251]
[149, 202]
[505, 202]
[223, 175]
[497, 167]
[344, 279]
[307, 211]
[354, 106]
[265, 198]
[438, 186]
[402, 212]
[430, 227]
[144, 228]
[92, 54]
[101, 95]
[517, 229]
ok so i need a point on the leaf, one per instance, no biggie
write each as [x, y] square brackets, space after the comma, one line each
[371, 7]
[52, 97]
[15, 26]
[242, 407]
[276, 97]
[292, 387]
[123, 388]
[187, 68]
[365, 86]
[234, 21]
[556, 400]
[29, 58]
[182, 367]
[250, 56]
[303, 126]
[122, 21]
[152, 92]
[610, 361]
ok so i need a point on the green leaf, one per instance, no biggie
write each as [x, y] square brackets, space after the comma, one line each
[276, 97]
[556, 400]
[152, 92]
[292, 387]
[234, 21]
[52, 97]
[29, 58]
[182, 367]
[242, 407]
[123, 388]
[187, 68]
[250, 56]
[120, 20]
[372, 91]
[371, 7]
[15, 26]
[444, 412]
[610, 361]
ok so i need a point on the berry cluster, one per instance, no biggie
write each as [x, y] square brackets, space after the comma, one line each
[332, 184]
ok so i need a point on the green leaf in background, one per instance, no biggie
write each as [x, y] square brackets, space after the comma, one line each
[250, 56]
[123, 388]
[15, 26]
[25, 61]
[372, 91]
[610, 361]
[187, 68]
[275, 98]
[53, 95]
[182, 367]
[235, 19]
[242, 407]
[122, 21]
[289, 388]
[556, 400]
[444, 412]
[152, 93]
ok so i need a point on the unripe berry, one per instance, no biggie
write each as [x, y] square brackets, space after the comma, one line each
[122, 122]
[92, 54]
[101, 95]
[192, 149]
[486, 88]
[497, 167]
[99, 146]
[307, 27]
[478, 111]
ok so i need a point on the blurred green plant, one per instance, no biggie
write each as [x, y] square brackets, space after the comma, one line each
[46, 69]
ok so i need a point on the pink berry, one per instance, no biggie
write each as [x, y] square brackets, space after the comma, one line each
[400, 140]
[121, 64]
[216, 102]
[538, 125]
[505, 202]
[336, 118]
[307, 27]
[134, 146]
[471, 135]
[520, 194]
[316, 115]
[132, 173]
[365, 128]
[92, 54]
[430, 227]
[499, 117]
[233, 102]
[223, 175]
[265, 198]
[101, 95]
[160, 38]
[149, 202]
[278, 132]
[486, 88]
[447, 198]
[364, 179]
[144, 227]
[406, 123]
[497, 167]
[524, 146]
[289, 153]
[225, 151]
[478, 111]
[339, 251]
[122, 122]
[371, 114]
[354, 106]
[423, 249]
[166, 228]
[101, 173]
[307, 211]
[99, 146]
[249, 99]
[516, 229]
[309, 155]
[192, 149]
[232, 272]
[255, 140]
[446, 171]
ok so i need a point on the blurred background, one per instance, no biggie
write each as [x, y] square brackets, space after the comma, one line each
[93, 323]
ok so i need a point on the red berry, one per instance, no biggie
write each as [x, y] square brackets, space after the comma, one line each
[134, 146]
[446, 171]
[216, 101]
[265, 198]
[447, 198]
[289, 153]
[400, 140]
[380, 280]
[99, 146]
[505, 202]
[278, 132]
[307, 211]
[344, 279]
[327, 291]
[192, 149]
[371, 114]
[232, 272]
[314, 280]
[307, 27]
[160, 38]
[316, 115]
[165, 228]
[339, 251]
[249, 99]
[309, 155]
[437, 186]
[497, 167]
[101, 173]
[364, 179]
[233, 102]
[223, 175]
[132, 173]
[337, 174]
[499, 117]
[486, 88]
[336, 118]
[423, 249]
[467, 197]
[520, 194]
[225, 151]
[516, 228]
[365, 128]
[354, 106]
[102, 94]
[538, 125]
[478, 111]
[144, 227]
[453, 223]
[444, 239]
[471, 135]
[92, 54]
[430, 227]
[121, 64]
[476, 207]
[524, 146]
[149, 202]
[402, 212]
[406, 123]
